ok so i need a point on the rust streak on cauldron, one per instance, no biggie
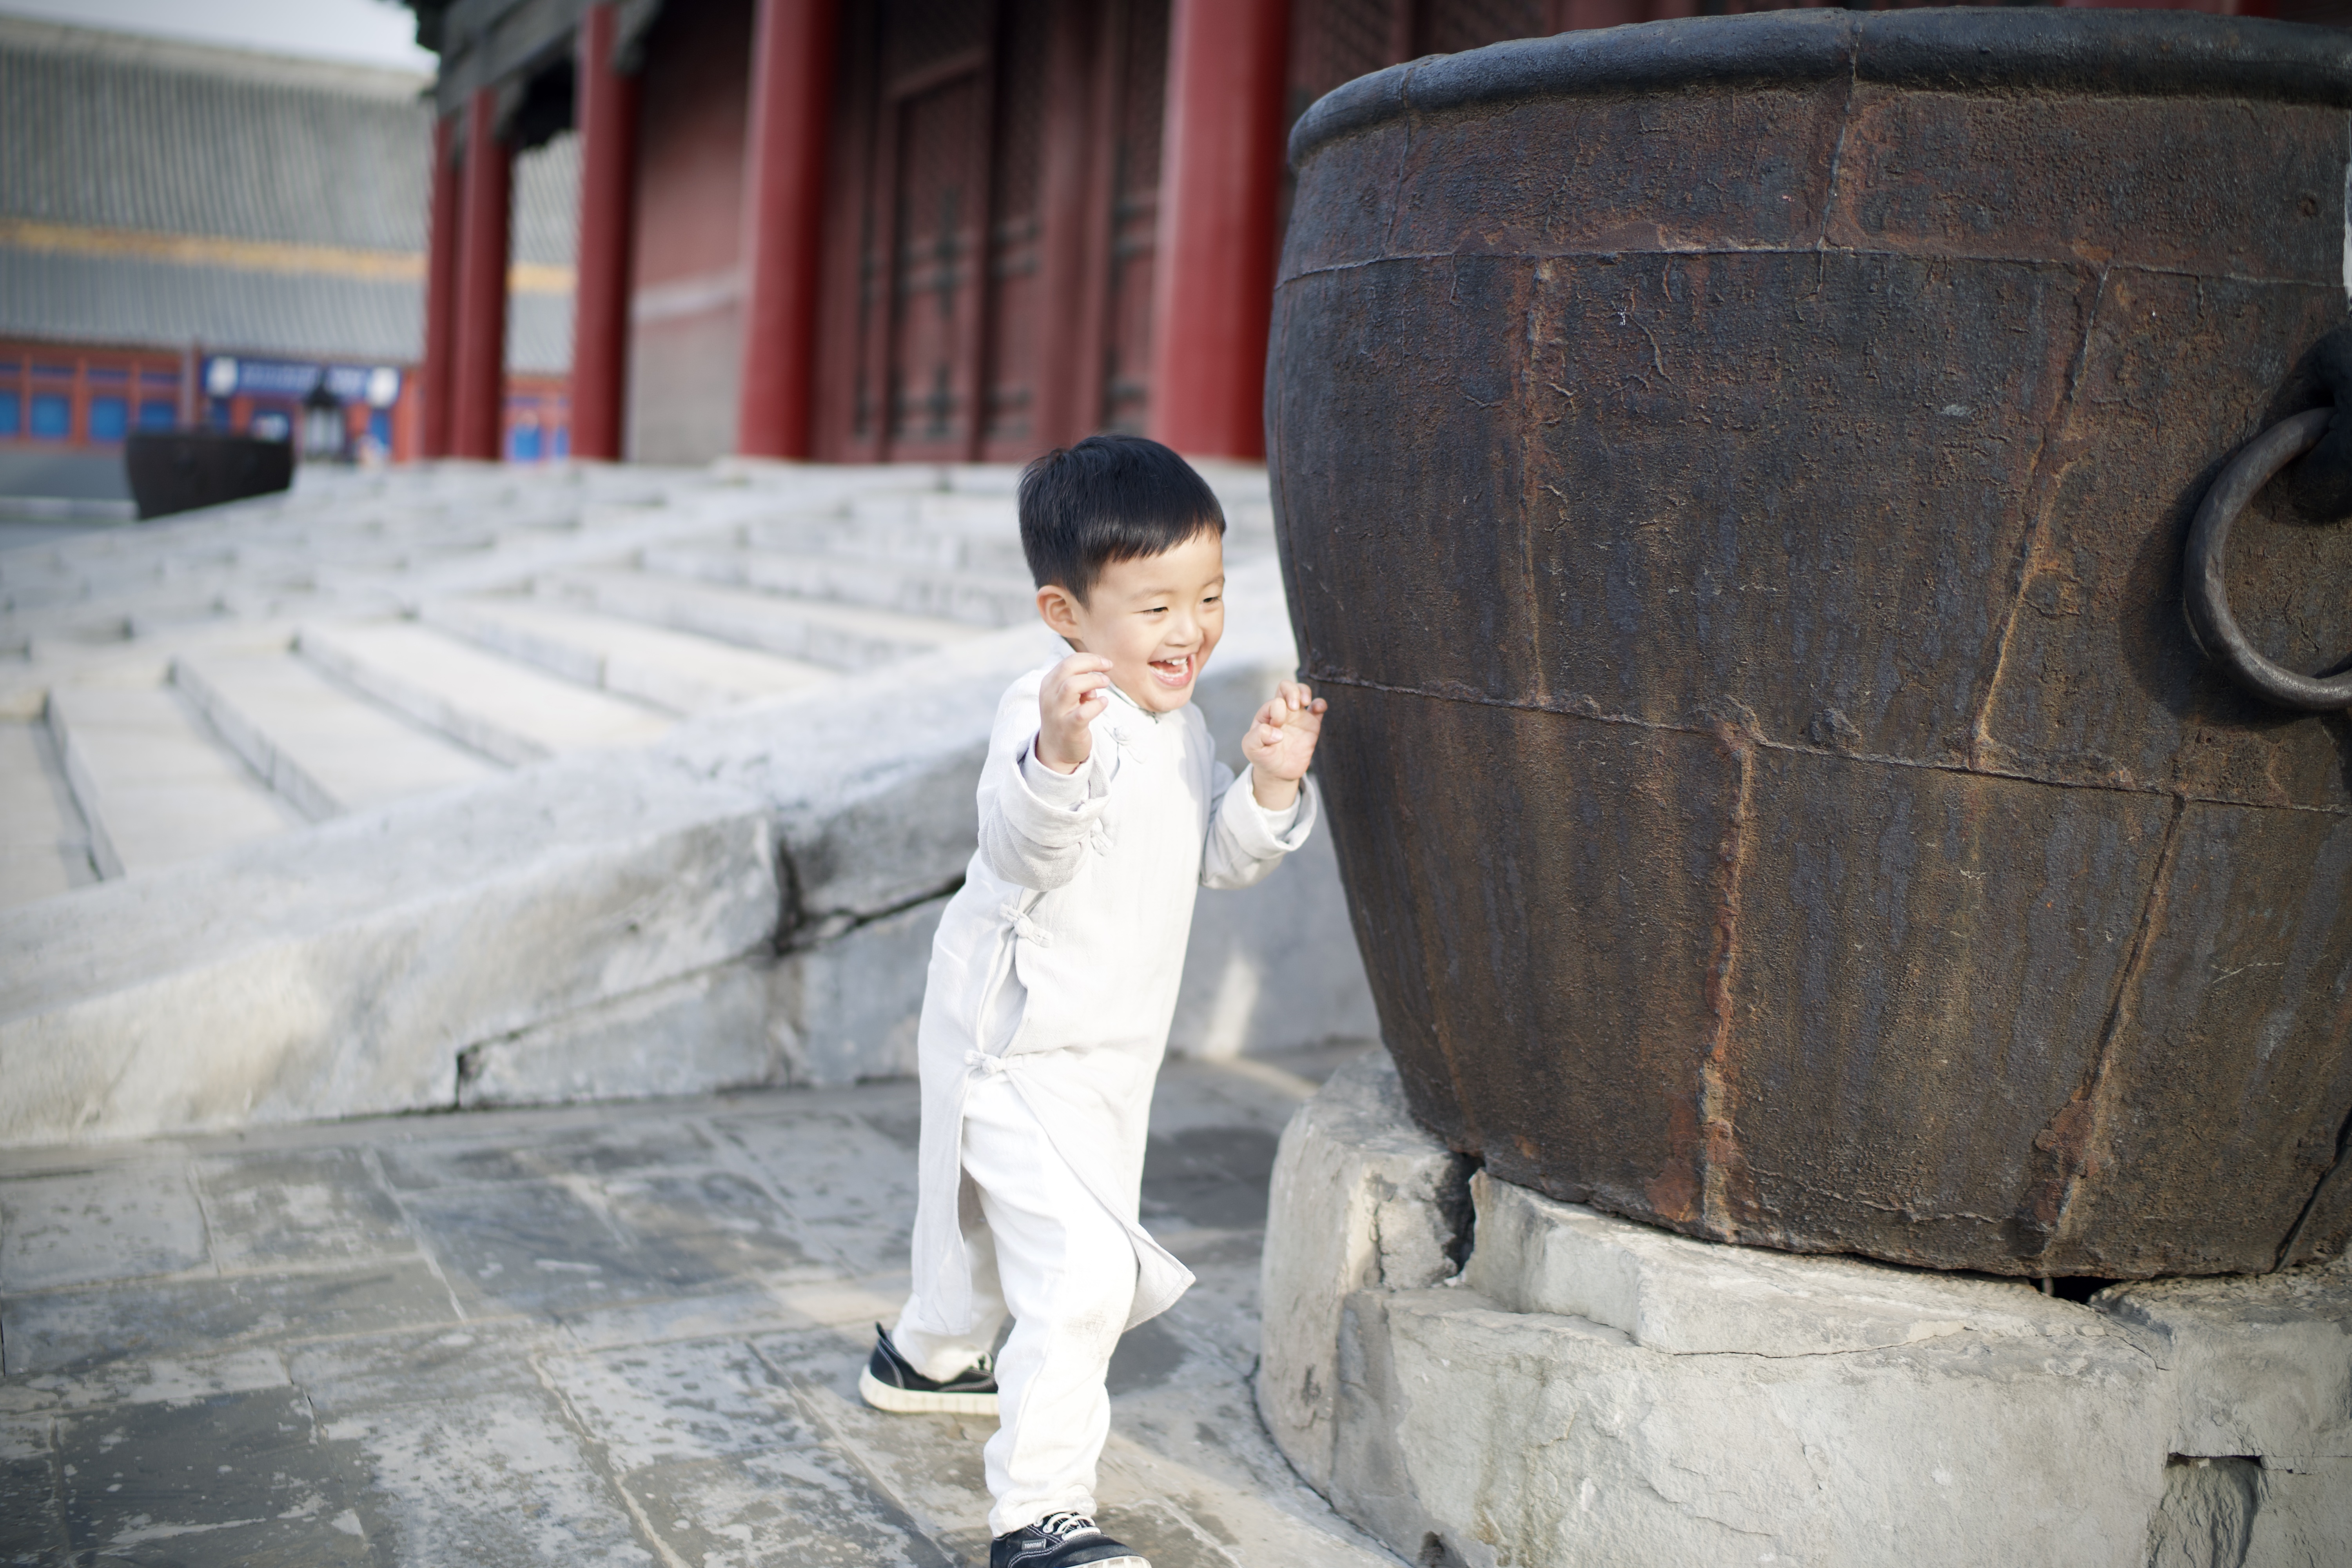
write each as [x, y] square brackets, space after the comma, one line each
[1732, 477]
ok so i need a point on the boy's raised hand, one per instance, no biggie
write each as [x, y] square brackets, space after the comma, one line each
[1281, 742]
[1074, 693]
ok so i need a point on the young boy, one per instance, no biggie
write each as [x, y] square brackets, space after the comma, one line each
[1102, 809]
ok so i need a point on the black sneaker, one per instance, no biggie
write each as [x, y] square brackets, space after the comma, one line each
[1061, 1541]
[889, 1384]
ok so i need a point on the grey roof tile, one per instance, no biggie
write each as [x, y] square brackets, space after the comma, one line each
[104, 130]
[97, 142]
[539, 333]
[547, 201]
[133, 301]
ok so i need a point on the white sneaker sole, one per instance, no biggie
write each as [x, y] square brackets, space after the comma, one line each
[912, 1402]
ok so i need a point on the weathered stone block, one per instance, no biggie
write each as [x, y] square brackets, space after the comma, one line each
[848, 1182]
[2302, 1515]
[82, 1228]
[867, 779]
[846, 1009]
[667, 1404]
[1361, 1199]
[32, 1528]
[553, 1248]
[345, 1377]
[149, 1380]
[1526, 1438]
[499, 1477]
[1593, 1391]
[455, 1152]
[243, 1472]
[341, 971]
[801, 1505]
[1668, 1292]
[707, 1031]
[280, 1208]
[81, 1332]
[2263, 1365]
[713, 1227]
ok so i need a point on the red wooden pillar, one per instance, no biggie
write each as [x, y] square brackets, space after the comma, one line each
[1221, 171]
[783, 207]
[607, 116]
[440, 294]
[477, 363]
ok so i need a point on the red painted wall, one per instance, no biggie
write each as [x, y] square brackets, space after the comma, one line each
[693, 113]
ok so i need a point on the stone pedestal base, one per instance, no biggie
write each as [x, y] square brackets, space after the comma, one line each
[1591, 1391]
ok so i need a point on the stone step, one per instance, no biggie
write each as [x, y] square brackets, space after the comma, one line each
[44, 847]
[321, 746]
[993, 550]
[110, 618]
[676, 670]
[843, 636]
[502, 708]
[155, 786]
[976, 599]
[936, 508]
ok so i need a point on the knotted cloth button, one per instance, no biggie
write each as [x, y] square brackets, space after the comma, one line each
[985, 1065]
[1024, 927]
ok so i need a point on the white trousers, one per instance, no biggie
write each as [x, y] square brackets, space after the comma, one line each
[1045, 1249]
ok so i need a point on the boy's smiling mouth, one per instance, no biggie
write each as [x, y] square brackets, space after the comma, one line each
[1174, 672]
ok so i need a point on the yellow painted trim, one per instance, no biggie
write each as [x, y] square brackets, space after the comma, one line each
[540, 277]
[256, 255]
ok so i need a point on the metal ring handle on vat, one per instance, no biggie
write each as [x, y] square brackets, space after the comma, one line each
[2206, 596]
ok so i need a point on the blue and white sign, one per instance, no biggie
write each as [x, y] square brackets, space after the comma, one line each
[226, 375]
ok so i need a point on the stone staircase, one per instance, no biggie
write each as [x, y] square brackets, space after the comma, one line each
[171, 692]
[463, 787]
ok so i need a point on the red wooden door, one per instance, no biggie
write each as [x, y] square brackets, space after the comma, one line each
[992, 227]
[899, 371]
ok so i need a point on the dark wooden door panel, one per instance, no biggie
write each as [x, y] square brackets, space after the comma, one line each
[1134, 236]
[1016, 306]
[935, 285]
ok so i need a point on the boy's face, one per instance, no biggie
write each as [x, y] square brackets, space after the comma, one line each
[1157, 618]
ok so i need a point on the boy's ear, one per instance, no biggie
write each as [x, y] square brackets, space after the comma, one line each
[1058, 608]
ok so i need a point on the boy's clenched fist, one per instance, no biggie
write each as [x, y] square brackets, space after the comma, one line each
[1074, 693]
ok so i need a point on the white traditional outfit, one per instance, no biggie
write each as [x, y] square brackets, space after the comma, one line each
[1052, 984]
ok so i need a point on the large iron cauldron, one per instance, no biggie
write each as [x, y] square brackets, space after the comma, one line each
[1733, 477]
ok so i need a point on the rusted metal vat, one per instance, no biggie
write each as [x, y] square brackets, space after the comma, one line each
[1733, 478]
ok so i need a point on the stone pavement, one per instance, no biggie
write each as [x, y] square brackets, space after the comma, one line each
[602, 1334]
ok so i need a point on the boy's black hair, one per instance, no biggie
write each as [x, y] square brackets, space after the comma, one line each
[1110, 498]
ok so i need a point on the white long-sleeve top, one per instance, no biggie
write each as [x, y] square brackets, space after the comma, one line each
[1057, 962]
